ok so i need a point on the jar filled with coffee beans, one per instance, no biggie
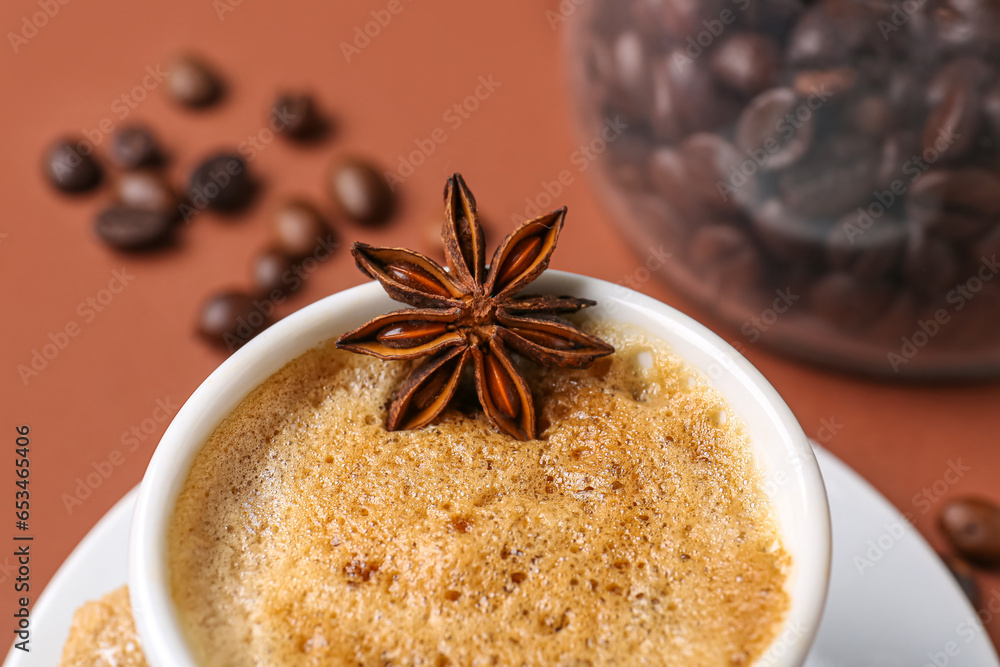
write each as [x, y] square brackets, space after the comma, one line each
[825, 174]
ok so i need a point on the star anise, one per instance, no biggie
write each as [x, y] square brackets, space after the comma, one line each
[471, 315]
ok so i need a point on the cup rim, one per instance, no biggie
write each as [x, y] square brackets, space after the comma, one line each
[157, 622]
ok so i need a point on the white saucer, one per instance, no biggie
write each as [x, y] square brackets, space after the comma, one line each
[892, 603]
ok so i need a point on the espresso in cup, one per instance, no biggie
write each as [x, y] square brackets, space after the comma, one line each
[635, 530]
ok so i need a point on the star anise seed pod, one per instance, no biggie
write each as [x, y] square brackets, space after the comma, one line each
[471, 315]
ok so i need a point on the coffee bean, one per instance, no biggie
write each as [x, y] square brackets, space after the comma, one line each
[134, 146]
[295, 115]
[146, 190]
[930, 265]
[670, 179]
[71, 170]
[772, 132]
[964, 576]
[683, 18]
[988, 245]
[972, 190]
[829, 33]
[789, 236]
[869, 250]
[127, 228]
[298, 228]
[360, 191]
[710, 162]
[847, 302]
[972, 72]
[953, 124]
[823, 185]
[972, 526]
[871, 115]
[746, 62]
[221, 182]
[991, 111]
[273, 273]
[725, 257]
[824, 83]
[192, 83]
[231, 318]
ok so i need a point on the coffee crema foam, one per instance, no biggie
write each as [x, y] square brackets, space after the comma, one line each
[636, 531]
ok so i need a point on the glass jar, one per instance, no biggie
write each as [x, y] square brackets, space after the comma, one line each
[826, 174]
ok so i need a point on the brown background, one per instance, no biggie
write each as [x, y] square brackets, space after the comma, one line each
[141, 347]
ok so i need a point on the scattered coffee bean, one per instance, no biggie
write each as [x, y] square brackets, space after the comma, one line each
[972, 526]
[231, 319]
[746, 62]
[965, 577]
[128, 228]
[273, 273]
[71, 170]
[192, 83]
[146, 190]
[360, 191]
[221, 182]
[770, 130]
[134, 146]
[298, 228]
[295, 115]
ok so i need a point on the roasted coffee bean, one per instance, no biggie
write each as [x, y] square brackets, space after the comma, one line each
[815, 41]
[825, 83]
[220, 182]
[146, 190]
[973, 72]
[127, 228]
[953, 123]
[972, 190]
[847, 302]
[360, 191]
[298, 228]
[295, 115]
[712, 165]
[192, 83]
[71, 170]
[724, 256]
[231, 319]
[685, 98]
[871, 115]
[867, 248]
[896, 321]
[991, 111]
[972, 25]
[972, 526]
[964, 576]
[829, 32]
[273, 273]
[669, 176]
[684, 18]
[821, 186]
[988, 245]
[771, 130]
[746, 62]
[789, 236]
[631, 73]
[134, 146]
[931, 265]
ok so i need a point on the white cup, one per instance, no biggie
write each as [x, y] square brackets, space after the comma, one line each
[781, 450]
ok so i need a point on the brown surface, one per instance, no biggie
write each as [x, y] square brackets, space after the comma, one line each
[141, 347]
